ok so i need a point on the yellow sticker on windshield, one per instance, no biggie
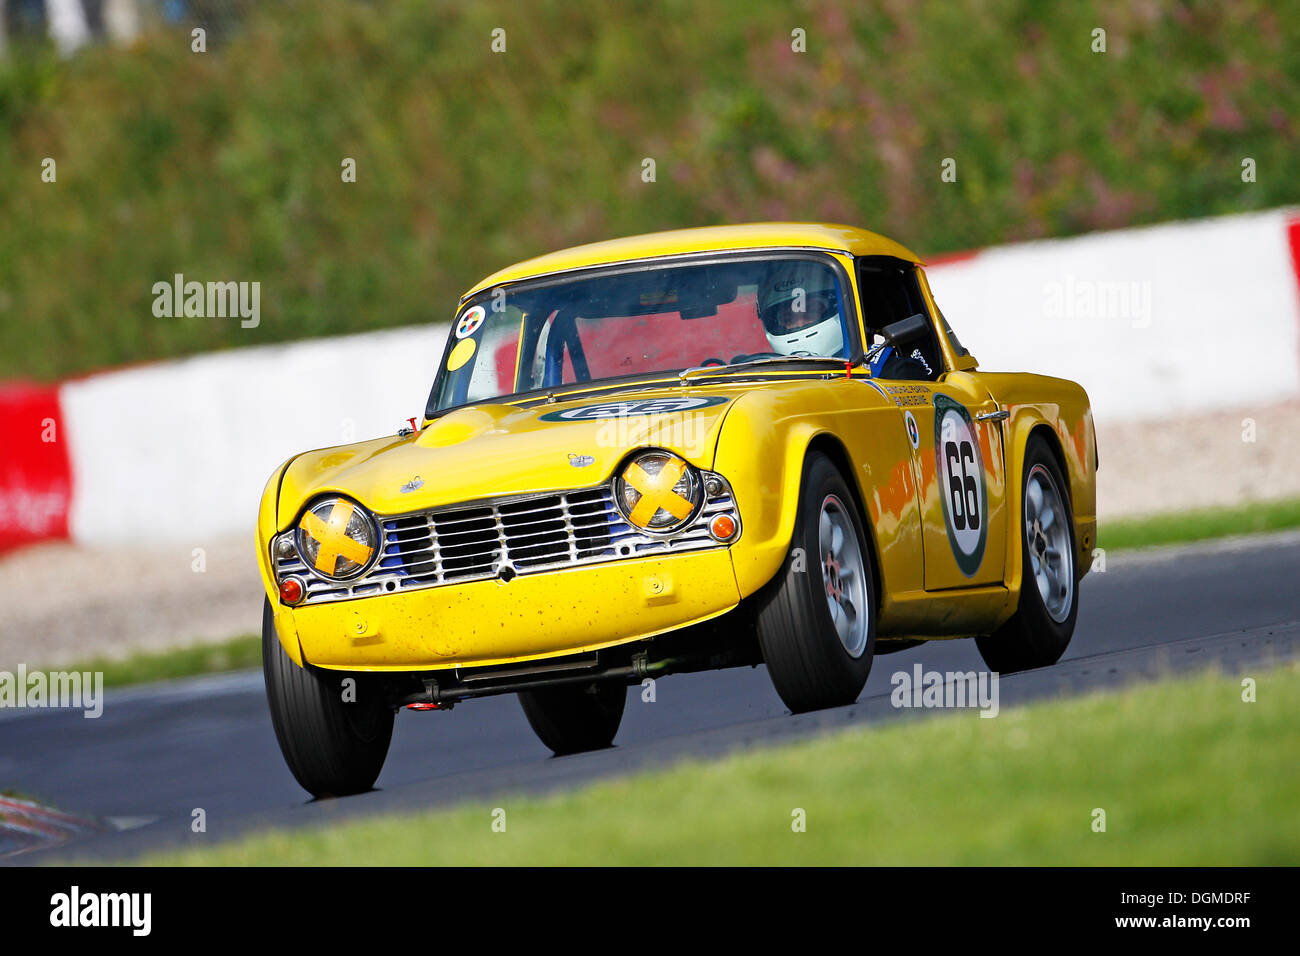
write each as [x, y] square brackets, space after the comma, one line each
[461, 354]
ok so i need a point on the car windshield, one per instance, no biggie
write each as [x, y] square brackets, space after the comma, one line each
[633, 321]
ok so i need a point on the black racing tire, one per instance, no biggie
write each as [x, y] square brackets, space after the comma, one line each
[573, 718]
[810, 664]
[1035, 636]
[333, 748]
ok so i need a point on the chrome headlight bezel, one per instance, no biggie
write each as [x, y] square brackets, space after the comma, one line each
[359, 520]
[627, 496]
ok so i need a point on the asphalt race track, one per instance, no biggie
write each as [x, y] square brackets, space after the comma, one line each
[158, 753]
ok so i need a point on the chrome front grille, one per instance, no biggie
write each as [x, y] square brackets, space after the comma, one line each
[442, 546]
[503, 537]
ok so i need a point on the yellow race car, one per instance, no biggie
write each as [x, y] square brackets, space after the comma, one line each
[694, 449]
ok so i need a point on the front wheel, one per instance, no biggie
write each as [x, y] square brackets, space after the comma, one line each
[572, 718]
[334, 736]
[1040, 630]
[816, 621]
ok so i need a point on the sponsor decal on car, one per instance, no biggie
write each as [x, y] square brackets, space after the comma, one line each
[959, 466]
[913, 433]
[904, 395]
[648, 406]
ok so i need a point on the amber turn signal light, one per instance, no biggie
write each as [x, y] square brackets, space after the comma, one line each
[722, 527]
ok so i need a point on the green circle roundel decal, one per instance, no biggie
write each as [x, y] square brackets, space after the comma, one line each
[959, 466]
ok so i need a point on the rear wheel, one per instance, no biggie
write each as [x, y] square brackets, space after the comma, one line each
[816, 621]
[1040, 630]
[573, 718]
[334, 737]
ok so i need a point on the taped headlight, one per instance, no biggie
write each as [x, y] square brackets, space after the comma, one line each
[337, 538]
[658, 491]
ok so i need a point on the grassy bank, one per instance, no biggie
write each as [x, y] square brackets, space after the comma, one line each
[218, 657]
[1199, 525]
[1209, 780]
[226, 165]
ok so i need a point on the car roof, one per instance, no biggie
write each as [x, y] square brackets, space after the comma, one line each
[753, 235]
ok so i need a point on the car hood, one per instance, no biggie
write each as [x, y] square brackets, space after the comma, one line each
[489, 450]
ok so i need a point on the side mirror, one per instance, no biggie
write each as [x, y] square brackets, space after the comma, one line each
[910, 329]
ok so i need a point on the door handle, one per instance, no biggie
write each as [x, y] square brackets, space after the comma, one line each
[999, 416]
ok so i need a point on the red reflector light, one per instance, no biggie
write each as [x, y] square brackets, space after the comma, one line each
[291, 590]
[424, 706]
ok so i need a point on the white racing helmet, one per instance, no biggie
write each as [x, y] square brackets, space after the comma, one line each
[799, 306]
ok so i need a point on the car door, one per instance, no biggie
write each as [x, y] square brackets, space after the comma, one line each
[958, 461]
[954, 431]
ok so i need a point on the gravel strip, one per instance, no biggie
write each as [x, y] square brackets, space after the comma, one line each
[1199, 462]
[63, 604]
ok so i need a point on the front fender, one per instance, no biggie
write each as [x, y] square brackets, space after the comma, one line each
[764, 466]
[267, 527]
[761, 451]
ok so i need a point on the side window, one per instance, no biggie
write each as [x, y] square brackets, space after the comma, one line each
[890, 292]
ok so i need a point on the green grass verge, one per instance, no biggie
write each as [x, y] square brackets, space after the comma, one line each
[239, 653]
[1198, 525]
[1186, 772]
[227, 165]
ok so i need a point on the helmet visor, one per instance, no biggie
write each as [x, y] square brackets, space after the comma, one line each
[799, 311]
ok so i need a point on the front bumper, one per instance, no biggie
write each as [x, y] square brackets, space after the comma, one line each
[481, 623]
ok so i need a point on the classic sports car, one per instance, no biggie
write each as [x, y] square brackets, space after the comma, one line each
[695, 449]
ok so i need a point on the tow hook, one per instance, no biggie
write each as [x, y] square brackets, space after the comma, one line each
[431, 691]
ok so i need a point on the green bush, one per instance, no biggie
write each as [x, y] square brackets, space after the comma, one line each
[226, 165]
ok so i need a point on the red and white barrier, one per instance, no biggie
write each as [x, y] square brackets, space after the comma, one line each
[1155, 322]
[179, 451]
[35, 474]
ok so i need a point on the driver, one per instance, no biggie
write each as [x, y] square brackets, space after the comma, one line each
[799, 305]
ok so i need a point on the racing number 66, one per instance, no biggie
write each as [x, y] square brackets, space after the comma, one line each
[961, 483]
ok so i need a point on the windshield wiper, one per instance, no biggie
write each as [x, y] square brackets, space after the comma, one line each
[702, 371]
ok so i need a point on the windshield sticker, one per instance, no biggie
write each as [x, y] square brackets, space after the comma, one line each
[470, 321]
[649, 406]
[960, 470]
[461, 354]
